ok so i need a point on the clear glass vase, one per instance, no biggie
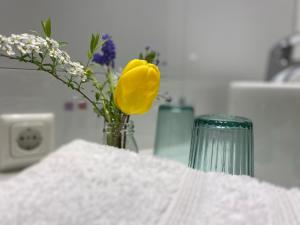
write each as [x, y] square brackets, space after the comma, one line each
[120, 135]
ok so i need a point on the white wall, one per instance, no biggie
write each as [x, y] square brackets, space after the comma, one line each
[207, 43]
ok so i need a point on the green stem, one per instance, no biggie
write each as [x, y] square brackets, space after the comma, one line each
[111, 84]
[102, 98]
[126, 121]
[88, 63]
[106, 112]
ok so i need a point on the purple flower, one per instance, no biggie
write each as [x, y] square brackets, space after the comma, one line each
[108, 52]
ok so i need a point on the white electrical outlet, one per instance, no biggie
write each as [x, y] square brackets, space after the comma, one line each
[25, 139]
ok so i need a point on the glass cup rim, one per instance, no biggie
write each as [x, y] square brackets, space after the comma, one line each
[223, 120]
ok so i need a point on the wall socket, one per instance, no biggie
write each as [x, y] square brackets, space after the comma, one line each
[25, 139]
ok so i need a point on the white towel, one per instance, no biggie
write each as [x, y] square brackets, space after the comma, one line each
[85, 183]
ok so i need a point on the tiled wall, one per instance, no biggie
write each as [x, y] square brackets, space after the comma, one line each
[207, 43]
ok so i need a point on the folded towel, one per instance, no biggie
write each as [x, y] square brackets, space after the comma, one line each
[85, 183]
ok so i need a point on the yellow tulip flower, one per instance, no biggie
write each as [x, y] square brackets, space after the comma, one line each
[137, 87]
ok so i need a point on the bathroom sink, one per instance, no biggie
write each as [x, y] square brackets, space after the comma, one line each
[275, 111]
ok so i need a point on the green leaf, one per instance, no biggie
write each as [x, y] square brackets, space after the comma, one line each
[89, 55]
[141, 56]
[46, 25]
[88, 72]
[150, 57]
[70, 84]
[21, 58]
[97, 96]
[96, 41]
[92, 43]
[43, 26]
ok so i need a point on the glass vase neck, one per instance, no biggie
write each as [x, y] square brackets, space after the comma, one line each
[119, 127]
[120, 135]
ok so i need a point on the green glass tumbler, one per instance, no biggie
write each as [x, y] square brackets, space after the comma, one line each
[174, 132]
[222, 143]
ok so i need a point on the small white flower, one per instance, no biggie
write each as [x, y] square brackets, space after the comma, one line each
[83, 78]
[33, 44]
[21, 49]
[52, 43]
[10, 51]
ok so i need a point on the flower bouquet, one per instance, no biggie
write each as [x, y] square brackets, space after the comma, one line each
[115, 99]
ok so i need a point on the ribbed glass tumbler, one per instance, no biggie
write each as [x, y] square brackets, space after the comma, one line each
[222, 143]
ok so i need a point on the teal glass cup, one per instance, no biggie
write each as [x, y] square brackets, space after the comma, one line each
[174, 132]
[222, 143]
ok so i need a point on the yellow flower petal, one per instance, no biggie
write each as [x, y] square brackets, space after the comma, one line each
[134, 63]
[137, 87]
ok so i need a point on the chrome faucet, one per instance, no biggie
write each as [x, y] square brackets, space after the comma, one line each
[281, 66]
